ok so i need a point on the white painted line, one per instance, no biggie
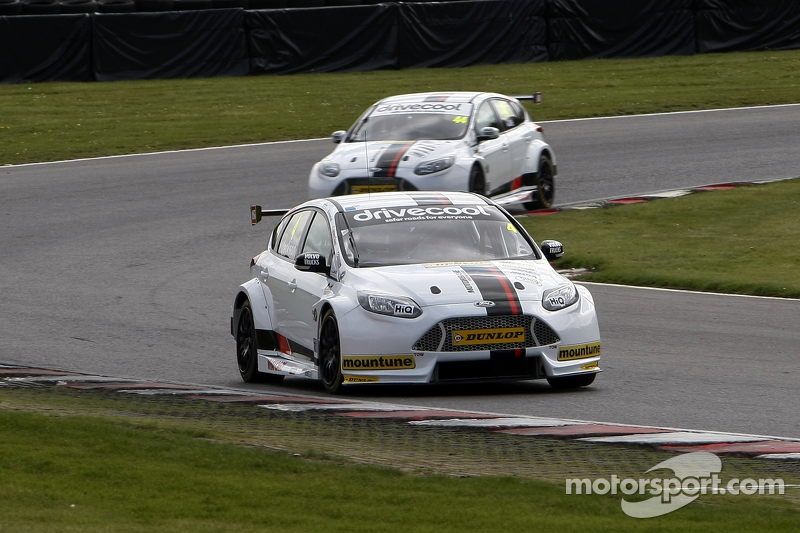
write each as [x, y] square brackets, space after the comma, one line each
[301, 407]
[164, 152]
[494, 422]
[684, 291]
[670, 194]
[667, 113]
[168, 392]
[785, 456]
[678, 437]
[67, 378]
[327, 138]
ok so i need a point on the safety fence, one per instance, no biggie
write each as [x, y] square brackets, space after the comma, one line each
[229, 40]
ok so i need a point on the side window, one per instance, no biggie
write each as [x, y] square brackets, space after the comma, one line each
[277, 233]
[519, 112]
[508, 115]
[319, 237]
[289, 242]
[485, 117]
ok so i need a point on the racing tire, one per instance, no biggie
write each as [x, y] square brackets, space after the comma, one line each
[545, 186]
[246, 349]
[477, 181]
[116, 6]
[330, 355]
[41, 7]
[572, 382]
[154, 6]
[10, 7]
[78, 6]
[268, 4]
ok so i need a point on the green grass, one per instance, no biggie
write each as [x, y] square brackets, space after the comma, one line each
[168, 466]
[736, 241]
[124, 470]
[54, 121]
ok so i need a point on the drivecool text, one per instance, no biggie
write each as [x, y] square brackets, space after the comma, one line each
[388, 214]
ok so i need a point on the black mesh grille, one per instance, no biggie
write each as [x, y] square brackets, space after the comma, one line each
[345, 186]
[440, 337]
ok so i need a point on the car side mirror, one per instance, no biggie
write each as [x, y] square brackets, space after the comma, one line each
[552, 250]
[311, 262]
[338, 136]
[488, 133]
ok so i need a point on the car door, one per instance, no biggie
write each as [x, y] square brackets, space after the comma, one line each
[280, 278]
[516, 135]
[310, 286]
[494, 151]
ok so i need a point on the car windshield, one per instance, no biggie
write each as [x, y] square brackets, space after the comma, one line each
[432, 234]
[411, 122]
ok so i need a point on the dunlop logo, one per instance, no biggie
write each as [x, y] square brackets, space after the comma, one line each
[360, 379]
[466, 337]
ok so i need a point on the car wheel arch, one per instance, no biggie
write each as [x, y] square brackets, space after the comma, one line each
[260, 306]
[532, 163]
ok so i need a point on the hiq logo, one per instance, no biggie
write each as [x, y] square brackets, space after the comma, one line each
[403, 309]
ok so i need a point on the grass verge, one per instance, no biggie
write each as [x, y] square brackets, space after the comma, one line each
[54, 121]
[101, 461]
[735, 241]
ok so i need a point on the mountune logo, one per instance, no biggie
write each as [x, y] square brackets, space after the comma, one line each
[694, 474]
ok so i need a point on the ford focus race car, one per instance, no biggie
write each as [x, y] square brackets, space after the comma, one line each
[411, 287]
[459, 141]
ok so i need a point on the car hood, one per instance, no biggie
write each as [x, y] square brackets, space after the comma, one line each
[388, 155]
[464, 282]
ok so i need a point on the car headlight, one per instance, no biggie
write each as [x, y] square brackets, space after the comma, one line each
[560, 297]
[389, 305]
[327, 168]
[435, 165]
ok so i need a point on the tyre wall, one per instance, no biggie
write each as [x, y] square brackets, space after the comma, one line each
[358, 35]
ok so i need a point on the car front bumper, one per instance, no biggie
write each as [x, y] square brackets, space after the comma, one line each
[390, 356]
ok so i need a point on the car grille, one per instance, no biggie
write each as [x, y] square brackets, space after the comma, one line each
[344, 187]
[440, 337]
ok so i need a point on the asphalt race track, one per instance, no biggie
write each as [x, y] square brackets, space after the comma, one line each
[127, 266]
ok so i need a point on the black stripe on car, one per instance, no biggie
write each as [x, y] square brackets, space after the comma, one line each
[495, 286]
[437, 98]
[424, 199]
[386, 167]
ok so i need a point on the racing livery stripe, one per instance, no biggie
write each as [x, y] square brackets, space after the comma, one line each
[496, 287]
[390, 158]
[431, 199]
[269, 340]
[437, 98]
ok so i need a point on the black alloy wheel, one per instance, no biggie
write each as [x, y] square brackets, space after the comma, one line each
[477, 181]
[246, 349]
[545, 186]
[330, 358]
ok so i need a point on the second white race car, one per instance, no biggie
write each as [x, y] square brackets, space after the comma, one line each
[458, 141]
[411, 288]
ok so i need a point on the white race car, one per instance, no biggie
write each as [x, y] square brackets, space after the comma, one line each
[459, 141]
[411, 287]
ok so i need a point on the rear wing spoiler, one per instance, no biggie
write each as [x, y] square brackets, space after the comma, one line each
[256, 213]
[536, 98]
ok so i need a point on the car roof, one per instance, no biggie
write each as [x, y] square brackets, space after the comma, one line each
[398, 199]
[453, 97]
